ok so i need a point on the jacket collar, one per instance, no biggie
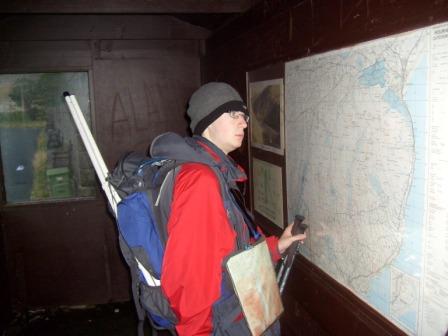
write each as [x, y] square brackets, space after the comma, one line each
[230, 169]
[197, 149]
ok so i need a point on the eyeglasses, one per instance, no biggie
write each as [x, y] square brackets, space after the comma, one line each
[237, 114]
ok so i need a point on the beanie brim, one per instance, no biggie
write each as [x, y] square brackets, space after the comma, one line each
[233, 105]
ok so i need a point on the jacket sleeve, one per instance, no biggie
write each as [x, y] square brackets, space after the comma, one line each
[199, 238]
[272, 243]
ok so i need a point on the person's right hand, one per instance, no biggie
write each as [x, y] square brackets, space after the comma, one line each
[286, 239]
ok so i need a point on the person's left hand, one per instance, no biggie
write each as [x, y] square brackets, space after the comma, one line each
[286, 239]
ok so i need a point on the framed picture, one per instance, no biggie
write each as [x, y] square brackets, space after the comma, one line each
[268, 190]
[266, 106]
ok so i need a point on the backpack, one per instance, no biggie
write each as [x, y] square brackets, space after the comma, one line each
[145, 185]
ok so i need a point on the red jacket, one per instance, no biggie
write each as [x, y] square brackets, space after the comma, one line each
[199, 238]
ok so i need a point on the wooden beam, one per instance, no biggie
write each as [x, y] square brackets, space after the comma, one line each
[124, 6]
[46, 27]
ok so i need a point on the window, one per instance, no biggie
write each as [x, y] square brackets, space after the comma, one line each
[43, 156]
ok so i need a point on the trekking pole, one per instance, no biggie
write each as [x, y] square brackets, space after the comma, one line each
[298, 228]
[281, 272]
[111, 194]
[93, 151]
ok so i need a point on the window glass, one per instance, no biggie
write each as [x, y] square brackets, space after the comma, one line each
[43, 156]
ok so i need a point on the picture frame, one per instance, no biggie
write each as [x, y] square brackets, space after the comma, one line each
[267, 154]
[267, 110]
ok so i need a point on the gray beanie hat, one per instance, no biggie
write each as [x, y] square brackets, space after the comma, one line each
[209, 102]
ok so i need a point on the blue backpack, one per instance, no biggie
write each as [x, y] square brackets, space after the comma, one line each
[145, 185]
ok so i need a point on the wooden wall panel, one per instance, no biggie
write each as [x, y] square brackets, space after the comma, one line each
[337, 310]
[142, 91]
[68, 27]
[5, 307]
[280, 31]
[57, 254]
[258, 38]
[66, 253]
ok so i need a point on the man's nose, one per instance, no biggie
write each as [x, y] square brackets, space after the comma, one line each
[243, 121]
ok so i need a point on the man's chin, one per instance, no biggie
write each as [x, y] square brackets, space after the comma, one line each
[238, 145]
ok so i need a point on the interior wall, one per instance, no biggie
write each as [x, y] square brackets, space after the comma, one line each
[142, 70]
[280, 31]
[5, 312]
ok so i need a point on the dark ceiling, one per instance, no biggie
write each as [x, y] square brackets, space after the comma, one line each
[210, 21]
[209, 14]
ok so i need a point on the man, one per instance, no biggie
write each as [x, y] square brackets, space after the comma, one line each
[206, 224]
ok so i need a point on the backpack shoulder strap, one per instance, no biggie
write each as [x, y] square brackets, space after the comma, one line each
[161, 201]
[164, 196]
